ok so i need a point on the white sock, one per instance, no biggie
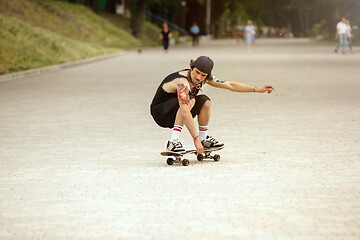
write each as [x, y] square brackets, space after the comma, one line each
[176, 132]
[203, 130]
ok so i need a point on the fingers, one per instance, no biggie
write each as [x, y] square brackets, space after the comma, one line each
[268, 89]
[200, 150]
[199, 147]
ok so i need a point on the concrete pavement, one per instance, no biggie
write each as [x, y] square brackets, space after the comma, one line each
[79, 151]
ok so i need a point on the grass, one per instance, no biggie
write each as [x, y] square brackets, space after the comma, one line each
[37, 33]
[150, 32]
[24, 47]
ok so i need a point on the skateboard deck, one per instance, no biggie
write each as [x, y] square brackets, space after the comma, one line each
[185, 162]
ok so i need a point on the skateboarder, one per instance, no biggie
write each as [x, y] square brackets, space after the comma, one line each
[177, 102]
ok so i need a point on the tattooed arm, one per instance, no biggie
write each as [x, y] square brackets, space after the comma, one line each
[238, 87]
[183, 94]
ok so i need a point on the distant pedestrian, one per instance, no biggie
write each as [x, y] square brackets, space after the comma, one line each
[341, 35]
[250, 32]
[165, 36]
[238, 32]
[195, 32]
[284, 32]
[349, 34]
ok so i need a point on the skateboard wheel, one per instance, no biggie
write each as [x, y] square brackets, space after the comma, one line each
[185, 162]
[200, 157]
[170, 161]
[216, 157]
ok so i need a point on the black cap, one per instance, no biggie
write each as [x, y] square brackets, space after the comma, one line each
[204, 64]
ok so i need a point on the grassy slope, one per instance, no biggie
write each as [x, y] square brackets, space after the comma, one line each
[36, 33]
[24, 46]
[150, 33]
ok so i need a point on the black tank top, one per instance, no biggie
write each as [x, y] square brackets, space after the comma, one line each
[161, 95]
[165, 35]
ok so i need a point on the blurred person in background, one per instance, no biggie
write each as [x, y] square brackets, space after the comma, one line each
[165, 36]
[349, 34]
[195, 32]
[238, 32]
[250, 32]
[341, 35]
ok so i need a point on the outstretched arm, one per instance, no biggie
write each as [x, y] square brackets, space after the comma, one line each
[239, 87]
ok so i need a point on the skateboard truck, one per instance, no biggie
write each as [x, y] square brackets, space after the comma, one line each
[171, 161]
[208, 155]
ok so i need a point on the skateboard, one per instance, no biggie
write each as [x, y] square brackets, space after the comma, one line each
[185, 162]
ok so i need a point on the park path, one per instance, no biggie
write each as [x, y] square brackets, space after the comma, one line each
[79, 151]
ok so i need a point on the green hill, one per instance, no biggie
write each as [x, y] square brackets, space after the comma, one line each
[38, 33]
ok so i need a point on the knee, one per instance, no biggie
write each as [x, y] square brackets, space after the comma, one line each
[207, 105]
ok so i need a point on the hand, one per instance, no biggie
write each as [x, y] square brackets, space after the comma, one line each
[199, 147]
[266, 88]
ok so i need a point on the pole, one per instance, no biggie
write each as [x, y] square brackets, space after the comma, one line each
[208, 17]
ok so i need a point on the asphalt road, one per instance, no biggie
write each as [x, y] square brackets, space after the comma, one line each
[80, 153]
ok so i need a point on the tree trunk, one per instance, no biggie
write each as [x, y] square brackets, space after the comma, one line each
[95, 5]
[138, 8]
[111, 6]
[301, 23]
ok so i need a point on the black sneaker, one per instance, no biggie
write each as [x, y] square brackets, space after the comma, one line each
[175, 146]
[211, 142]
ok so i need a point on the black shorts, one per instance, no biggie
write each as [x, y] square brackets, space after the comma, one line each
[164, 114]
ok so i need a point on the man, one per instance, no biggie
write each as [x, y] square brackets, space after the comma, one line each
[195, 31]
[177, 102]
[341, 35]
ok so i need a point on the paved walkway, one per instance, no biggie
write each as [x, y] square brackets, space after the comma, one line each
[71, 165]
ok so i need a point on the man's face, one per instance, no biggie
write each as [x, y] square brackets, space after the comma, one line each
[197, 76]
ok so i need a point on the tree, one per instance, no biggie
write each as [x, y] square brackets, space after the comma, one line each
[139, 8]
[111, 6]
[300, 15]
